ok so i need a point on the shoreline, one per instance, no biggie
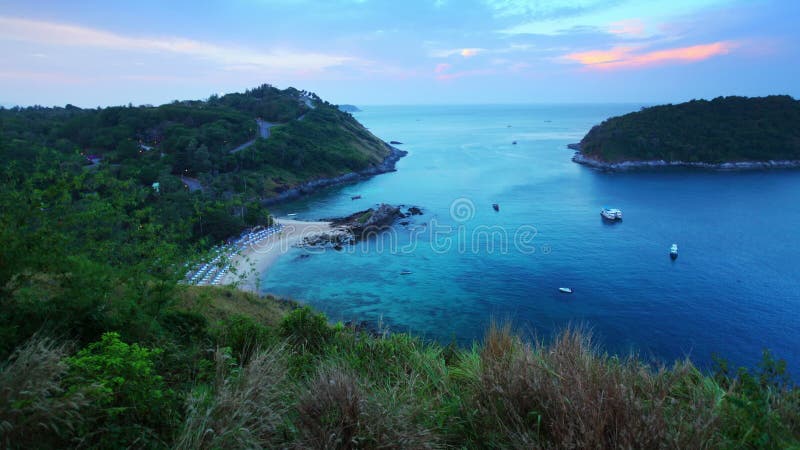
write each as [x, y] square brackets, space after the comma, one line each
[580, 158]
[253, 261]
[309, 187]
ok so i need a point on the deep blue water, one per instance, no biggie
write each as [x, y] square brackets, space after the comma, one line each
[734, 289]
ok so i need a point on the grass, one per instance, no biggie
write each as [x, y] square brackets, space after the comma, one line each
[288, 379]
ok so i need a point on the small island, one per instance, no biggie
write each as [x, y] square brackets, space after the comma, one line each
[723, 133]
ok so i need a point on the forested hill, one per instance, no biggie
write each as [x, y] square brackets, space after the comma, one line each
[726, 129]
[208, 140]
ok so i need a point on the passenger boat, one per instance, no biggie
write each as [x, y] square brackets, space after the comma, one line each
[611, 213]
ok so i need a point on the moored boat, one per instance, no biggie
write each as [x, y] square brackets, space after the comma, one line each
[611, 213]
[355, 197]
[496, 207]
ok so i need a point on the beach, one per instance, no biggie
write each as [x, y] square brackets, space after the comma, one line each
[250, 263]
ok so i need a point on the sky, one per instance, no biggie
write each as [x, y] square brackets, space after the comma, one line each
[366, 52]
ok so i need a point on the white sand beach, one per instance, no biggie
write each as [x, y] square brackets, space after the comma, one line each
[257, 258]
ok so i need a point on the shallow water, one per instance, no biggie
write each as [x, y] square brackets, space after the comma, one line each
[733, 290]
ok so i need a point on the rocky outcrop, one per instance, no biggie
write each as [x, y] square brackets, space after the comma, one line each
[369, 221]
[576, 146]
[336, 238]
[580, 158]
[387, 165]
[360, 225]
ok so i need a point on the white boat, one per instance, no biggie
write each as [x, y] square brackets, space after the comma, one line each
[673, 251]
[565, 290]
[611, 213]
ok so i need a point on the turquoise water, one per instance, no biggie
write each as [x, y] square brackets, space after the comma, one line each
[734, 289]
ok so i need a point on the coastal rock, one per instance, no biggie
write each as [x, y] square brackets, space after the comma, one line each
[338, 237]
[580, 158]
[414, 211]
[575, 146]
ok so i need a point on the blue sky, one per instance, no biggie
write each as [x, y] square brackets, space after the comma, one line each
[92, 53]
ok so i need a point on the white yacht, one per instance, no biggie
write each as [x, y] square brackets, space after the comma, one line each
[611, 213]
[673, 251]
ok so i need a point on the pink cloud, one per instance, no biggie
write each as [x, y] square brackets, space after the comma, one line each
[628, 28]
[442, 68]
[627, 57]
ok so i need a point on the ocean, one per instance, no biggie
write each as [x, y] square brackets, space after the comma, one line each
[734, 290]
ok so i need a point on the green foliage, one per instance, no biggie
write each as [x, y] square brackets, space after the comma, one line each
[244, 336]
[131, 399]
[721, 130]
[305, 329]
[761, 406]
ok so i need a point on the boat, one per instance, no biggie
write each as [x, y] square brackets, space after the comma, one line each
[355, 197]
[565, 290]
[291, 214]
[496, 207]
[673, 251]
[405, 272]
[514, 143]
[611, 213]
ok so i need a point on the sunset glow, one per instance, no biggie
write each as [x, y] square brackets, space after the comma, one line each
[628, 57]
[427, 51]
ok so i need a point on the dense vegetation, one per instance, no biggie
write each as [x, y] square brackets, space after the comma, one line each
[102, 347]
[725, 129]
[146, 144]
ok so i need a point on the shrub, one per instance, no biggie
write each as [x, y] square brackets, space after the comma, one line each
[132, 404]
[305, 329]
[761, 407]
[243, 335]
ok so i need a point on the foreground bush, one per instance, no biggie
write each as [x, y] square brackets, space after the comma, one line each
[334, 387]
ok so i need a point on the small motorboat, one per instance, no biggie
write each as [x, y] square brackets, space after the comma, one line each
[612, 214]
[565, 290]
[514, 143]
[405, 272]
[495, 206]
[355, 197]
[673, 251]
[291, 214]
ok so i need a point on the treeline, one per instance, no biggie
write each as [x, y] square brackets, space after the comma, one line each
[725, 129]
[195, 139]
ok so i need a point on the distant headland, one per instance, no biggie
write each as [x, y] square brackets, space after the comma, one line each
[349, 108]
[727, 133]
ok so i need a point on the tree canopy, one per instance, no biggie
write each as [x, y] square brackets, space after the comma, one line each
[725, 129]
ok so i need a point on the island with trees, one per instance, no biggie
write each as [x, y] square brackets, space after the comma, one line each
[723, 133]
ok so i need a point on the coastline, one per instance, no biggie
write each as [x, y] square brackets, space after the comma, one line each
[580, 158]
[256, 259]
[309, 187]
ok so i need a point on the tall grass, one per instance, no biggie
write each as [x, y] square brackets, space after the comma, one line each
[567, 394]
[337, 411]
[35, 409]
[247, 408]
